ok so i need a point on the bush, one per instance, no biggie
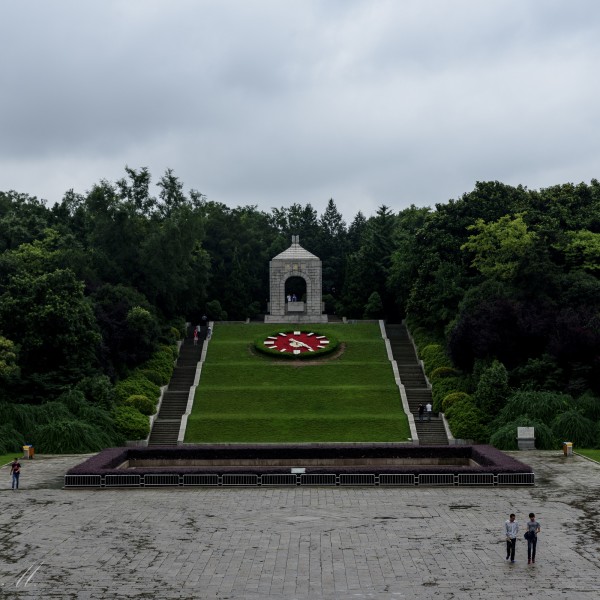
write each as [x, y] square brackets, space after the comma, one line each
[492, 389]
[154, 376]
[98, 390]
[505, 438]
[10, 439]
[466, 420]
[69, 437]
[571, 426]
[374, 307]
[441, 372]
[451, 398]
[444, 386]
[141, 403]
[433, 357]
[131, 423]
[162, 363]
[215, 311]
[589, 406]
[73, 399]
[137, 385]
[542, 406]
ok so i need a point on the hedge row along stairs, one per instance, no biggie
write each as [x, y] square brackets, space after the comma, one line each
[431, 433]
[165, 430]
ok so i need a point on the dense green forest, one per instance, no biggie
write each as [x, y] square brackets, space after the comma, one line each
[500, 288]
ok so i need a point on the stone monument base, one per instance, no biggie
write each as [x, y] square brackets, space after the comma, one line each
[296, 319]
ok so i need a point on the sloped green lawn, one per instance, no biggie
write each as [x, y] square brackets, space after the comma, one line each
[247, 397]
[593, 454]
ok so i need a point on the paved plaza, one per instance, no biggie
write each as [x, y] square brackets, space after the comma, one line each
[348, 543]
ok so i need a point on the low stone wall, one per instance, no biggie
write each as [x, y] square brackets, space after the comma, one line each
[306, 464]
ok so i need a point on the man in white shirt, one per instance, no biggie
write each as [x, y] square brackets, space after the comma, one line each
[428, 410]
[511, 530]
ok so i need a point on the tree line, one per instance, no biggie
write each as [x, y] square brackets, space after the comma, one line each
[502, 280]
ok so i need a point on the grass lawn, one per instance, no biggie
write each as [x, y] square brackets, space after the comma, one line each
[248, 397]
[8, 458]
[593, 454]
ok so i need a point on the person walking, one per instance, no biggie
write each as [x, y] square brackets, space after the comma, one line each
[195, 337]
[533, 528]
[428, 410]
[421, 411]
[511, 530]
[15, 471]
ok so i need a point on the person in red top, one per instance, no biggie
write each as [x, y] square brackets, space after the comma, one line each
[15, 471]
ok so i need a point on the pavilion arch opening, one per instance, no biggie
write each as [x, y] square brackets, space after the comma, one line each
[295, 289]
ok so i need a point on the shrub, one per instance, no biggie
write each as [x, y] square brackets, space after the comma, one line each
[469, 426]
[374, 307]
[492, 389]
[154, 376]
[131, 423]
[589, 406]
[69, 436]
[73, 399]
[141, 403]
[433, 357]
[134, 386]
[542, 406]
[215, 311]
[441, 372]
[10, 439]
[98, 390]
[571, 426]
[161, 363]
[444, 386]
[451, 398]
[505, 438]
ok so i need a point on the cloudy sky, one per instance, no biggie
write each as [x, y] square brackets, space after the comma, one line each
[271, 102]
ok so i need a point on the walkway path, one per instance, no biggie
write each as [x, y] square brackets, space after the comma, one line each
[165, 429]
[298, 543]
[430, 432]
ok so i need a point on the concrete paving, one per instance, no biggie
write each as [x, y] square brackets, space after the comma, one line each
[253, 543]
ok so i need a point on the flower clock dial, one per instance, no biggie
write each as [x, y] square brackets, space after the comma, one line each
[296, 342]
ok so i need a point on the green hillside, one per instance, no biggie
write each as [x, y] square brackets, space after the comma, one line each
[247, 397]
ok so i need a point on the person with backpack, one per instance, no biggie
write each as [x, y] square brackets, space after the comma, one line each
[533, 528]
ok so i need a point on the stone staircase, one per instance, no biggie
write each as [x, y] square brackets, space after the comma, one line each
[431, 433]
[165, 429]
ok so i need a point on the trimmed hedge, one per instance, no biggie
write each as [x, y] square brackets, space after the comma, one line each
[451, 398]
[131, 423]
[136, 385]
[433, 357]
[441, 372]
[141, 403]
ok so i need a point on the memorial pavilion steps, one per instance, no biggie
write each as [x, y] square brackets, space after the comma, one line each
[164, 432]
[431, 433]
[415, 385]
[165, 429]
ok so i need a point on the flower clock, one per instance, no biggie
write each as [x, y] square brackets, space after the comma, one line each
[296, 344]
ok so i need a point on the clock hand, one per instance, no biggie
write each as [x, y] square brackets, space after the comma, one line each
[297, 343]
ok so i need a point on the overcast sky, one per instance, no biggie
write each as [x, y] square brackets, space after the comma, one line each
[271, 102]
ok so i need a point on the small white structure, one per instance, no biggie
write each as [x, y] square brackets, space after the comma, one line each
[526, 438]
[295, 262]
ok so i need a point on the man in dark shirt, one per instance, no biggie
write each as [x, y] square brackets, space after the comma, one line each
[15, 471]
